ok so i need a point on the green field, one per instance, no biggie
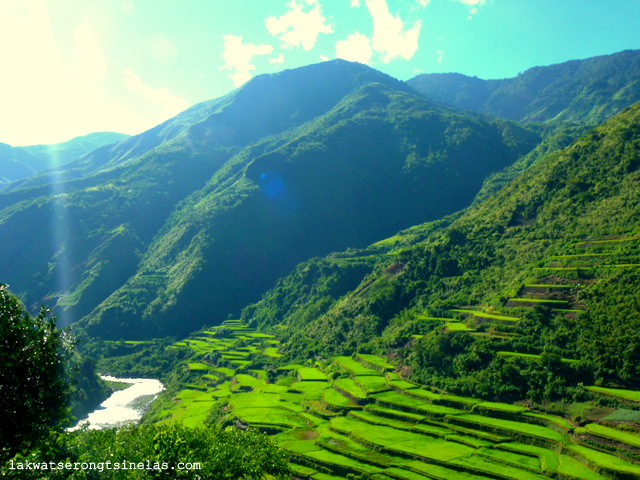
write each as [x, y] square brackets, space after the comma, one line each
[616, 392]
[365, 420]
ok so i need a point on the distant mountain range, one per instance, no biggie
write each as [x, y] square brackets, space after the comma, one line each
[579, 91]
[21, 162]
[191, 221]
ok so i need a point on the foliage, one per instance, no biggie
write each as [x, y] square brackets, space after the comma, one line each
[579, 91]
[34, 382]
[162, 451]
[481, 258]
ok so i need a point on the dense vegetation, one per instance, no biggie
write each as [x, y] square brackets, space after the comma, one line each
[580, 91]
[38, 380]
[356, 417]
[527, 234]
[499, 339]
[151, 452]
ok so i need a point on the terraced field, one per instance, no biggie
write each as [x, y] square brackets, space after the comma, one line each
[355, 417]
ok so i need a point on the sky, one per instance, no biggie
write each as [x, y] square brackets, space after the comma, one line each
[72, 67]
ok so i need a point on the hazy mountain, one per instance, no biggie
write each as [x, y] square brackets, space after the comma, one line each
[240, 190]
[21, 162]
[579, 91]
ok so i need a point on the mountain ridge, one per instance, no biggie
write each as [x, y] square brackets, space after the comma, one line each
[585, 91]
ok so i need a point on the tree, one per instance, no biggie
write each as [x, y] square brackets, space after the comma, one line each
[34, 389]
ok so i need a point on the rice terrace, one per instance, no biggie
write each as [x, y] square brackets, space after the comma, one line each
[355, 417]
[312, 240]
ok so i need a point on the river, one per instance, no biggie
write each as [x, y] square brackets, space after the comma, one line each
[123, 406]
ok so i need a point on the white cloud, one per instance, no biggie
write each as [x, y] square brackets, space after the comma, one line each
[279, 60]
[389, 37]
[297, 27]
[356, 48]
[171, 105]
[238, 56]
[473, 6]
[324, 58]
[424, 3]
[439, 55]
[355, 3]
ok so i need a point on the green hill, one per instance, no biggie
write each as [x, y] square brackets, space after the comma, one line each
[579, 91]
[354, 175]
[203, 213]
[548, 265]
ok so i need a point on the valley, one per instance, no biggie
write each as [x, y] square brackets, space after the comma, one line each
[339, 275]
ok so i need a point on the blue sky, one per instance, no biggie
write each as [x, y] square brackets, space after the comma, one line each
[71, 67]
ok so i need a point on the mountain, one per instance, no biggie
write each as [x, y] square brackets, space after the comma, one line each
[579, 91]
[21, 162]
[237, 192]
[548, 268]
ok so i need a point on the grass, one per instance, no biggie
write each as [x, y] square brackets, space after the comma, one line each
[331, 458]
[512, 427]
[606, 461]
[270, 416]
[537, 300]
[573, 468]
[348, 386]
[311, 374]
[227, 372]
[501, 407]
[443, 473]
[533, 356]
[372, 384]
[559, 421]
[492, 316]
[310, 390]
[272, 352]
[353, 366]
[627, 438]
[248, 380]
[335, 399]
[403, 402]
[616, 392]
[549, 460]
[375, 360]
[458, 327]
[514, 459]
[624, 415]
[403, 442]
[492, 468]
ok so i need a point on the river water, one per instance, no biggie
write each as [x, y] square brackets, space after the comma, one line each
[123, 406]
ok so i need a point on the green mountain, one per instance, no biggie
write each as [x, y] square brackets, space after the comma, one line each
[21, 162]
[382, 159]
[146, 240]
[579, 91]
[524, 295]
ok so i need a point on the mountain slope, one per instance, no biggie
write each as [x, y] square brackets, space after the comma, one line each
[571, 221]
[269, 104]
[150, 235]
[21, 162]
[382, 159]
[580, 91]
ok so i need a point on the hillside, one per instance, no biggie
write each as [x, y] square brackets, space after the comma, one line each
[549, 264]
[21, 162]
[232, 193]
[382, 159]
[580, 91]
